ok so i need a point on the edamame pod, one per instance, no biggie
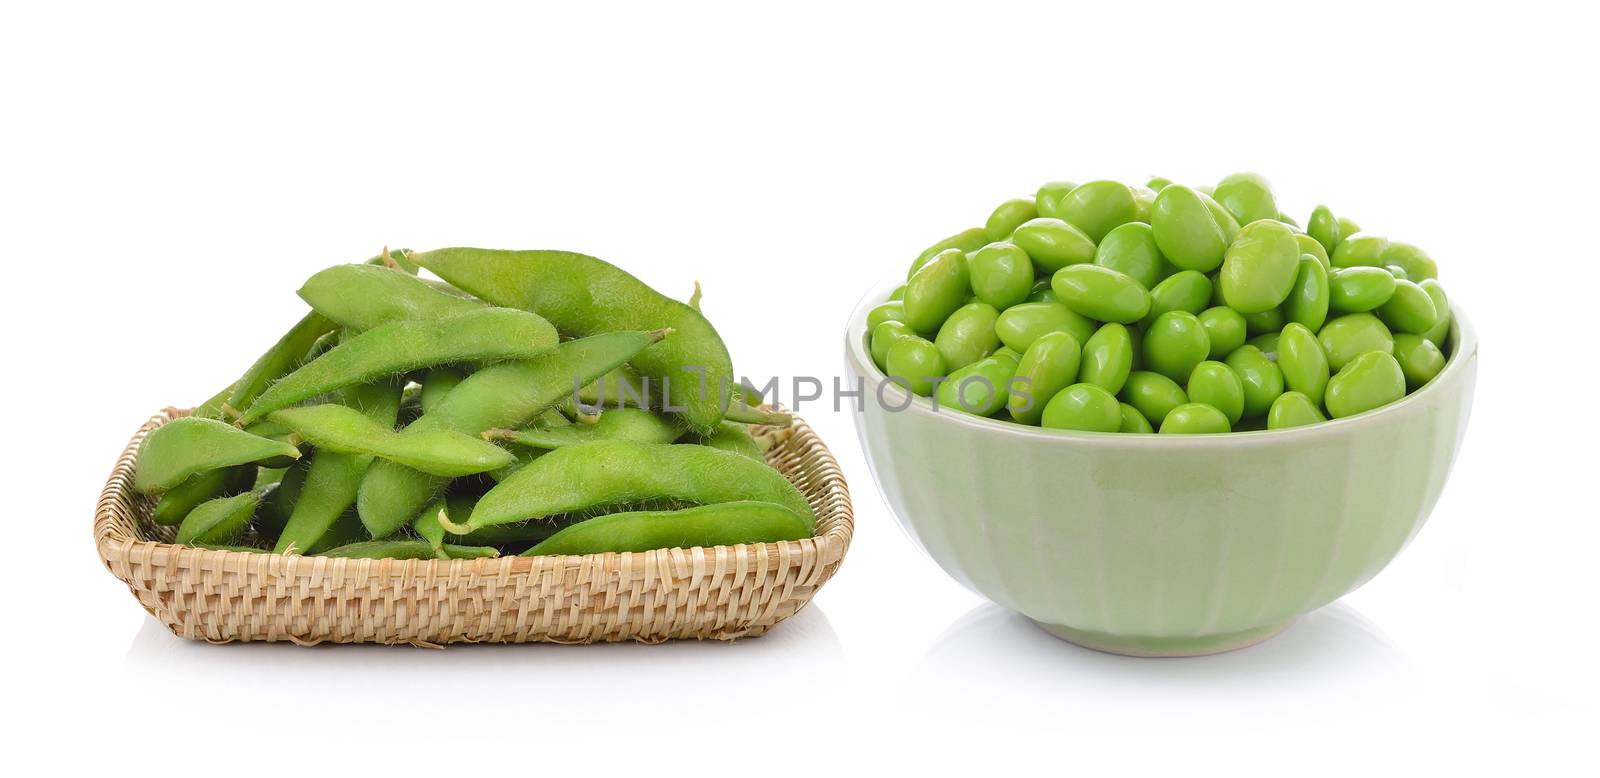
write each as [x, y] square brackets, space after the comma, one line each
[486, 335]
[591, 476]
[721, 524]
[730, 436]
[438, 383]
[222, 520]
[433, 451]
[179, 449]
[198, 488]
[334, 477]
[584, 296]
[406, 549]
[636, 424]
[361, 297]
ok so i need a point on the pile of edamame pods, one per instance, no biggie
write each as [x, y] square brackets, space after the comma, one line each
[1114, 308]
[534, 402]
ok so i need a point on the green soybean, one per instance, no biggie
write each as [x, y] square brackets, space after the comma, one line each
[1409, 309]
[965, 241]
[1293, 409]
[591, 476]
[1153, 394]
[1369, 381]
[1309, 246]
[1352, 335]
[1358, 289]
[179, 449]
[1359, 250]
[883, 336]
[1131, 249]
[1215, 384]
[1267, 342]
[1264, 322]
[486, 335]
[894, 310]
[1186, 230]
[1185, 290]
[1194, 419]
[1008, 216]
[1247, 196]
[584, 296]
[1174, 344]
[1302, 361]
[1419, 359]
[916, 363]
[1000, 274]
[722, 524]
[1133, 420]
[1144, 199]
[1108, 357]
[968, 335]
[1260, 266]
[1020, 325]
[1048, 366]
[1082, 407]
[1053, 244]
[980, 388]
[1441, 306]
[1324, 228]
[1260, 377]
[222, 520]
[937, 290]
[1224, 220]
[1417, 264]
[1308, 299]
[1048, 198]
[1225, 330]
[1097, 207]
[1101, 293]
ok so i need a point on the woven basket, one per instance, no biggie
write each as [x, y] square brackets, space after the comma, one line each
[723, 593]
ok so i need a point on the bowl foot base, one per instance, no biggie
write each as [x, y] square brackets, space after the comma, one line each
[1135, 645]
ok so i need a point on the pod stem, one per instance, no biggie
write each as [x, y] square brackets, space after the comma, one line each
[694, 299]
[498, 434]
[388, 261]
[661, 334]
[452, 527]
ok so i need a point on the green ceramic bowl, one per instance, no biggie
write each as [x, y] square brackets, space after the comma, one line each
[1157, 545]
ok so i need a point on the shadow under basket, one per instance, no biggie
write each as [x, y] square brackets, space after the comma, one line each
[720, 593]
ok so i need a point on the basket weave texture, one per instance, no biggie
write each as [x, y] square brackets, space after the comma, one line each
[721, 593]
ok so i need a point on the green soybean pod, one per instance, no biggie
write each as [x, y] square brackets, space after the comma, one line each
[1101, 293]
[590, 476]
[584, 296]
[1108, 357]
[501, 395]
[1215, 384]
[1008, 216]
[1358, 289]
[485, 335]
[1174, 344]
[636, 424]
[966, 241]
[1096, 207]
[440, 452]
[1133, 420]
[361, 297]
[1131, 249]
[883, 336]
[1409, 309]
[1225, 330]
[1261, 378]
[1082, 407]
[1194, 419]
[1053, 244]
[916, 364]
[333, 478]
[937, 290]
[1048, 366]
[1349, 336]
[722, 524]
[1049, 197]
[280, 360]
[1416, 262]
[1309, 245]
[1324, 228]
[979, 388]
[730, 436]
[406, 549]
[1247, 196]
[1308, 299]
[181, 448]
[1369, 381]
[222, 520]
[1259, 269]
[1000, 274]
[1185, 290]
[198, 488]
[438, 383]
[893, 310]
[1020, 325]
[1185, 230]
[1154, 394]
[1302, 361]
[278, 502]
[967, 335]
[1441, 306]
[1419, 359]
[1293, 409]
[1360, 250]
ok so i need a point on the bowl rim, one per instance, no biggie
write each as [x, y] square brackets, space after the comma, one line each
[1464, 350]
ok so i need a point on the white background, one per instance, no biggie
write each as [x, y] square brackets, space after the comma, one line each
[171, 174]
